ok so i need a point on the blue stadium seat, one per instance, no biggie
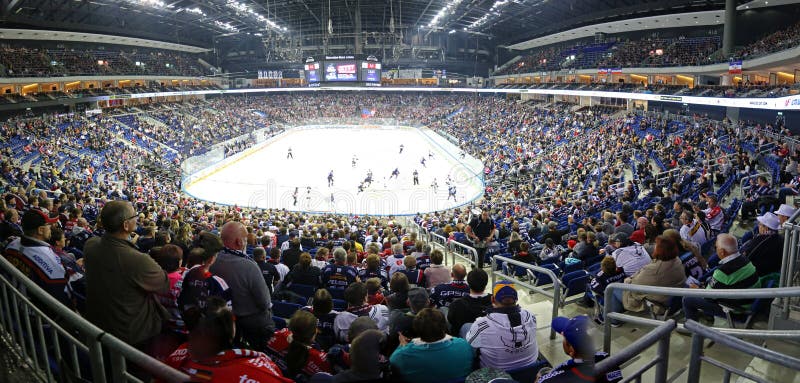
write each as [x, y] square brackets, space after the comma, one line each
[284, 309]
[573, 283]
[305, 291]
[280, 323]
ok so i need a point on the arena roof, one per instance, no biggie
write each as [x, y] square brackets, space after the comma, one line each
[197, 22]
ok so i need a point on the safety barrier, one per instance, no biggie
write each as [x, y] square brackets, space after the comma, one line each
[658, 335]
[681, 292]
[436, 239]
[789, 265]
[744, 183]
[44, 342]
[471, 251]
[700, 333]
[555, 294]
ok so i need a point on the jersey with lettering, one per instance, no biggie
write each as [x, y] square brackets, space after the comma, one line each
[336, 278]
[445, 293]
[236, 365]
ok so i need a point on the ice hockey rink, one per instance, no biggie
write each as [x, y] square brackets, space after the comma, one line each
[260, 177]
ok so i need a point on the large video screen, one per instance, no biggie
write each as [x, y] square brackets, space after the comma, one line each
[341, 71]
[312, 72]
[372, 75]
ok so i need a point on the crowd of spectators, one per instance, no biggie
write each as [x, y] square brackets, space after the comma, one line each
[562, 188]
[21, 61]
[782, 39]
[650, 52]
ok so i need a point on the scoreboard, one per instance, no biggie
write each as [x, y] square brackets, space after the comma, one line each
[331, 70]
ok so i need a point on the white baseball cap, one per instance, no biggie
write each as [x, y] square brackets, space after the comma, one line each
[770, 220]
[785, 210]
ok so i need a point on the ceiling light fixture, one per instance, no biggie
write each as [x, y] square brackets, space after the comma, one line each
[450, 6]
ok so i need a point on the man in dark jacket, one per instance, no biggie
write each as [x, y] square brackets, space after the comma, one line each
[766, 248]
[121, 281]
[553, 233]
[291, 256]
[470, 307]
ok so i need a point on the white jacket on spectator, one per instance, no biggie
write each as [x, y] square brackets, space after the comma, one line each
[631, 258]
[694, 233]
[502, 346]
[378, 313]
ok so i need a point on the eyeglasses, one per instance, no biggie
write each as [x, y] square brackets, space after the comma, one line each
[132, 217]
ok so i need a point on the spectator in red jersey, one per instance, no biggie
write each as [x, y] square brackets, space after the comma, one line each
[374, 294]
[209, 354]
[170, 258]
[292, 348]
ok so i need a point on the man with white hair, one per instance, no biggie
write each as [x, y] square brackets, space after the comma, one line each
[734, 272]
[337, 276]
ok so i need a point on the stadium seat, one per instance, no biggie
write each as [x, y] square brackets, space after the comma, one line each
[732, 312]
[305, 291]
[339, 305]
[593, 269]
[673, 308]
[280, 323]
[284, 309]
[573, 284]
[528, 373]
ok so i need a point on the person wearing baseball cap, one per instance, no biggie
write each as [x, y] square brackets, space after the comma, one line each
[506, 336]
[579, 346]
[765, 249]
[784, 212]
[35, 258]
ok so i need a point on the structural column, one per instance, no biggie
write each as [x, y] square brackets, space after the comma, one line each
[729, 32]
[357, 29]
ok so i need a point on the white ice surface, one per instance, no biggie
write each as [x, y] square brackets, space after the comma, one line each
[267, 179]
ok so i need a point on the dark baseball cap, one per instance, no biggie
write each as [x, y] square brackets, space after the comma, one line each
[576, 332]
[34, 218]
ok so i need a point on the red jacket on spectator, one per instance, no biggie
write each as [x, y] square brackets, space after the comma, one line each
[234, 365]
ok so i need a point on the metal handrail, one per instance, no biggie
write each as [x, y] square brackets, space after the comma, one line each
[473, 259]
[743, 187]
[700, 333]
[661, 335]
[684, 292]
[92, 336]
[434, 238]
[789, 258]
[555, 294]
